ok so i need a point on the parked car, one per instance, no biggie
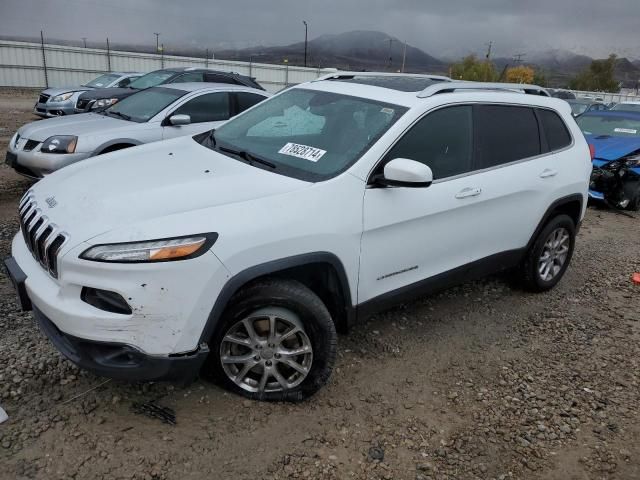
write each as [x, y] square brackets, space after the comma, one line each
[55, 102]
[564, 94]
[157, 113]
[580, 106]
[626, 107]
[241, 251]
[98, 100]
[615, 137]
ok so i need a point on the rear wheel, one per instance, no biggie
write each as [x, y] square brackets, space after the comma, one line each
[276, 342]
[549, 256]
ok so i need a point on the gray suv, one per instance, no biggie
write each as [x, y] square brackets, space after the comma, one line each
[58, 101]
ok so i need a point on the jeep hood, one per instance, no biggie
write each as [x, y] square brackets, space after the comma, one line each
[129, 187]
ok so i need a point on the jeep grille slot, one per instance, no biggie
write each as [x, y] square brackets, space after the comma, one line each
[42, 238]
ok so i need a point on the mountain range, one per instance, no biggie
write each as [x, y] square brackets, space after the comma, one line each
[371, 50]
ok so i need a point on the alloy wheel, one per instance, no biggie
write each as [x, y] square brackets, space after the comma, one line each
[554, 254]
[267, 351]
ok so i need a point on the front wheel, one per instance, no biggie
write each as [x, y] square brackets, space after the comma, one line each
[548, 258]
[276, 342]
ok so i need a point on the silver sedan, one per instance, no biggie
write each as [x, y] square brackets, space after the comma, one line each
[57, 101]
[157, 113]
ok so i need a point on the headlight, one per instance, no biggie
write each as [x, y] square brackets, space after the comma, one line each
[60, 144]
[103, 103]
[164, 250]
[62, 97]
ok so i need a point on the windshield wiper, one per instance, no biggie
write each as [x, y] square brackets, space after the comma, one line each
[248, 157]
[119, 114]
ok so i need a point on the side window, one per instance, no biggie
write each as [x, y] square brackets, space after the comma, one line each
[188, 77]
[124, 82]
[443, 140]
[554, 129]
[247, 100]
[210, 107]
[505, 134]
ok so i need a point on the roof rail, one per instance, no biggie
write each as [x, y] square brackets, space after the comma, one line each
[347, 74]
[449, 87]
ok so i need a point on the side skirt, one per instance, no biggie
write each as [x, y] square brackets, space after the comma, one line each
[471, 271]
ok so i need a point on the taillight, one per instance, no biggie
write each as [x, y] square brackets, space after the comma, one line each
[592, 151]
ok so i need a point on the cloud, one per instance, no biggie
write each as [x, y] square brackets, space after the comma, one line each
[442, 28]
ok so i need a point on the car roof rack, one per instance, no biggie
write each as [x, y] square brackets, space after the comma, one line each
[450, 87]
[347, 74]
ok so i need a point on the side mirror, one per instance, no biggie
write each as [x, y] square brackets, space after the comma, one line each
[177, 120]
[403, 172]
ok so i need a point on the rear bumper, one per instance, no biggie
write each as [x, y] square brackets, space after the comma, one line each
[121, 361]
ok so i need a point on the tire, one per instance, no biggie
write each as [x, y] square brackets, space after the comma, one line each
[290, 307]
[530, 273]
[634, 193]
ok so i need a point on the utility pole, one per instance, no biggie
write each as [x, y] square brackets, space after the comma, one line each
[162, 55]
[44, 59]
[404, 56]
[390, 57]
[84, 40]
[157, 40]
[490, 44]
[306, 31]
[206, 59]
[108, 55]
[517, 58]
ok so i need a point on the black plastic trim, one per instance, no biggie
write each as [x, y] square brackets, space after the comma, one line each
[471, 271]
[122, 361]
[240, 279]
[105, 300]
[211, 239]
[18, 279]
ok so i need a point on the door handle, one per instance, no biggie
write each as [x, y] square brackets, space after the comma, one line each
[469, 192]
[547, 172]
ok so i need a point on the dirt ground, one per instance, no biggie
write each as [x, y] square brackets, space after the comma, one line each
[480, 382]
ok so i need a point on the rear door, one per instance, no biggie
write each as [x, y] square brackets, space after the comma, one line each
[515, 179]
[207, 111]
[245, 100]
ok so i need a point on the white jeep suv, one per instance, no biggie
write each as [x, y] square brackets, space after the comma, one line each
[240, 252]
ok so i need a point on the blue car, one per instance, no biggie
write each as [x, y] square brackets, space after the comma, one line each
[615, 137]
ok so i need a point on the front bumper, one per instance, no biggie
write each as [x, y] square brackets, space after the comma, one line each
[595, 195]
[36, 164]
[121, 361]
[109, 359]
[55, 109]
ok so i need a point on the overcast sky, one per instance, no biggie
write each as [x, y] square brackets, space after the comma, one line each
[443, 28]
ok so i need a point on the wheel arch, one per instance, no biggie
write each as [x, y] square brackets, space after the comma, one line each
[322, 272]
[118, 144]
[570, 205]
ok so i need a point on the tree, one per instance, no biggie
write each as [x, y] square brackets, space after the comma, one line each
[473, 69]
[520, 74]
[539, 78]
[598, 77]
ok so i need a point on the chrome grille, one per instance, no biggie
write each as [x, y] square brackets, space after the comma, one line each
[43, 238]
[30, 145]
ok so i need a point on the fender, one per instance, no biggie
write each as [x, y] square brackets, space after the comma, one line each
[550, 211]
[110, 143]
[274, 266]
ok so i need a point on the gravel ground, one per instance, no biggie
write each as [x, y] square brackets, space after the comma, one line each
[480, 382]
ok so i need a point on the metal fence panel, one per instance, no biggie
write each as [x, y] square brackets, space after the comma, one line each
[21, 65]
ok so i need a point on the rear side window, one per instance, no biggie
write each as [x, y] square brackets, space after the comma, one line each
[555, 131]
[443, 140]
[505, 134]
[247, 100]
